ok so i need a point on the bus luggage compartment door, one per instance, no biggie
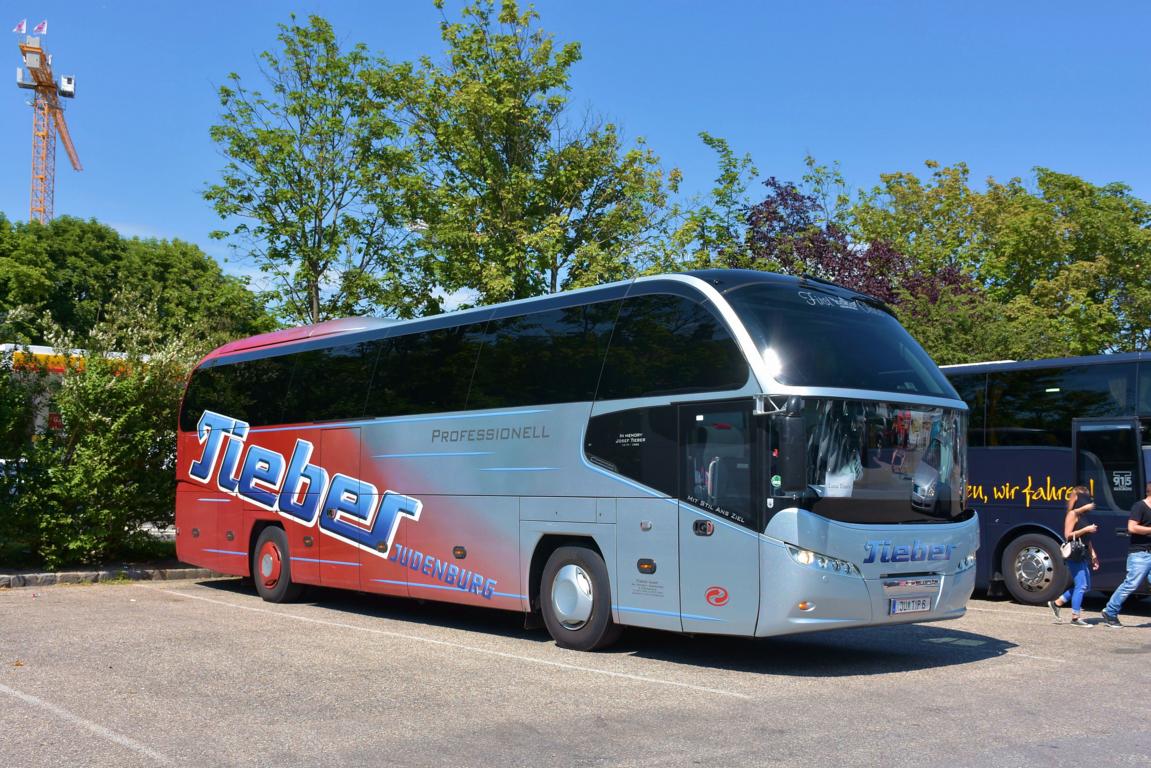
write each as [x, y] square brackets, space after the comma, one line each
[196, 515]
[339, 560]
[647, 582]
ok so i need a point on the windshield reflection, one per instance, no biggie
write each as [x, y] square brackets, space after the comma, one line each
[880, 462]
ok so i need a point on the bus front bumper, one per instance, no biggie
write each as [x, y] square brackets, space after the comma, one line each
[805, 598]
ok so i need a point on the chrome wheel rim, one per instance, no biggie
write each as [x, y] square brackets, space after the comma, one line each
[572, 596]
[1034, 569]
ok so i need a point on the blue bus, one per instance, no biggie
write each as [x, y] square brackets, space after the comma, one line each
[1038, 428]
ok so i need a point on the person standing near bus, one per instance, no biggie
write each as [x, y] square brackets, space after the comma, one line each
[1082, 560]
[1138, 558]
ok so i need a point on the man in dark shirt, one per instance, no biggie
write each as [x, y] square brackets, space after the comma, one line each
[1138, 559]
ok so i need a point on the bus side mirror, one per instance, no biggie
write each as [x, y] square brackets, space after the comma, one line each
[792, 454]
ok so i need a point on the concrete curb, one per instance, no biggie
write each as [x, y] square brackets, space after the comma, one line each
[124, 573]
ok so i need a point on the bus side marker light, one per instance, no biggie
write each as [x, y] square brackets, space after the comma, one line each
[308, 541]
[805, 605]
[459, 552]
[646, 566]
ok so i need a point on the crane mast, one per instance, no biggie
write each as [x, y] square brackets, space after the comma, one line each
[47, 122]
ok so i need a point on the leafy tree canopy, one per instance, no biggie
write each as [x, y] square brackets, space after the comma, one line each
[361, 184]
[1015, 270]
[517, 196]
[315, 180]
[65, 275]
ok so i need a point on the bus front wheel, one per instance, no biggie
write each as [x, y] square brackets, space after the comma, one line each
[272, 567]
[1033, 570]
[575, 599]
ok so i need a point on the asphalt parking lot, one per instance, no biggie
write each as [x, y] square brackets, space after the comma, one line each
[203, 673]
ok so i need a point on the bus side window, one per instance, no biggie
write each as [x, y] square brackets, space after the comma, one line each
[717, 465]
[668, 344]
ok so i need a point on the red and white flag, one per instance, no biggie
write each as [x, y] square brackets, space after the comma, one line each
[22, 27]
[41, 28]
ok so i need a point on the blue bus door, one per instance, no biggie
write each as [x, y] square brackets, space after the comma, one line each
[1108, 461]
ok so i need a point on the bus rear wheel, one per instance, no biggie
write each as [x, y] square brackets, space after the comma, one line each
[1033, 570]
[575, 599]
[272, 567]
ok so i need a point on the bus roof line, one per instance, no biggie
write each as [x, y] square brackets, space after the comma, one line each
[1049, 362]
[982, 362]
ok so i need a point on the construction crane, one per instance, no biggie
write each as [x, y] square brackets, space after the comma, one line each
[47, 122]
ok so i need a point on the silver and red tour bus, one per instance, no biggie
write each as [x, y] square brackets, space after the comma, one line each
[727, 452]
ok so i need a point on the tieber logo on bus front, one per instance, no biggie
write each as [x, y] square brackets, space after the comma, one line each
[346, 508]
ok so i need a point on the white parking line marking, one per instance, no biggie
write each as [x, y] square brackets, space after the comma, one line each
[1032, 656]
[95, 728]
[448, 644]
[1020, 611]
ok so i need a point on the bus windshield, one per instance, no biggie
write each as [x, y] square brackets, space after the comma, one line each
[814, 338]
[871, 462]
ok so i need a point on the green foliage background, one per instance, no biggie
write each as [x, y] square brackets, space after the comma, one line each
[143, 311]
[86, 490]
[359, 184]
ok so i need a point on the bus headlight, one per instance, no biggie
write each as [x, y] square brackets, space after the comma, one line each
[821, 562]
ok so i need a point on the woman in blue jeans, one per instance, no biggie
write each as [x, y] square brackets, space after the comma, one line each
[1079, 503]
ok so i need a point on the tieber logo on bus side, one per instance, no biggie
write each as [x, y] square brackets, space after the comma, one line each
[348, 508]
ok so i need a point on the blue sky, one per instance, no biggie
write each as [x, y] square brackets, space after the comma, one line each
[876, 86]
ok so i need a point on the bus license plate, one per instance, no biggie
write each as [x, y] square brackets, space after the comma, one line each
[910, 605]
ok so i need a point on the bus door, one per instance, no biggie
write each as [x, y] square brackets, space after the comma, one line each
[718, 543]
[339, 560]
[1108, 461]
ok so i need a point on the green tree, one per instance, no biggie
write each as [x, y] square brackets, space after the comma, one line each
[935, 224]
[1057, 270]
[69, 270]
[1079, 250]
[21, 388]
[85, 492]
[711, 231]
[314, 182]
[188, 292]
[516, 197]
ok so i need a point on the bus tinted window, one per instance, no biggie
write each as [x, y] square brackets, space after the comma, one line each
[972, 387]
[329, 384]
[425, 372]
[1144, 404]
[545, 357]
[1035, 407]
[716, 461]
[666, 345]
[639, 443]
[820, 339]
[253, 391]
